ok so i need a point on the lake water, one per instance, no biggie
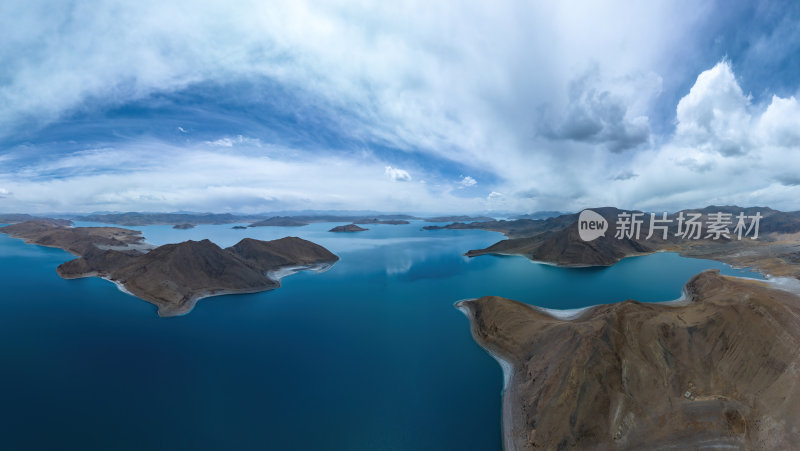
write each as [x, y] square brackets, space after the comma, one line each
[370, 355]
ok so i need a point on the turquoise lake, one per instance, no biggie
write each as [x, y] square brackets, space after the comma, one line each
[369, 355]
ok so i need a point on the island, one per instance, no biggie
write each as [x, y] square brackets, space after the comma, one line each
[348, 228]
[238, 227]
[173, 276]
[183, 226]
[719, 368]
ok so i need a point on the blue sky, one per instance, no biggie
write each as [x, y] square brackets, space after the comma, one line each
[421, 107]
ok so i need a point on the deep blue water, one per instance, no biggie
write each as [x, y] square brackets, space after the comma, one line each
[370, 355]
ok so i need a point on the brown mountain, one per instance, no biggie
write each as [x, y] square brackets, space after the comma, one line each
[719, 371]
[348, 228]
[556, 240]
[565, 248]
[76, 240]
[267, 255]
[175, 276]
[517, 228]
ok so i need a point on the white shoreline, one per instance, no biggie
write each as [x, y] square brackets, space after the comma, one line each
[275, 275]
[120, 286]
[283, 271]
[565, 314]
[789, 284]
[508, 367]
[784, 283]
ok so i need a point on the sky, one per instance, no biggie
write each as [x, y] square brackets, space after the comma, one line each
[418, 106]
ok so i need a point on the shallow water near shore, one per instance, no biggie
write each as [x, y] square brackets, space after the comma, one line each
[370, 354]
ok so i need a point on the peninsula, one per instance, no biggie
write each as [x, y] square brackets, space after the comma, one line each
[173, 276]
[719, 368]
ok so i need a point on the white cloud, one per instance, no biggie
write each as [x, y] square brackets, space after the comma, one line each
[4, 192]
[714, 115]
[780, 123]
[397, 175]
[725, 151]
[459, 83]
[200, 179]
[228, 141]
[611, 113]
[450, 80]
[467, 181]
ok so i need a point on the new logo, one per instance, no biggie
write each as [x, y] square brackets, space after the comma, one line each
[591, 225]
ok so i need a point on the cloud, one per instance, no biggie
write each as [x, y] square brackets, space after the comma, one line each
[714, 115]
[388, 73]
[696, 164]
[601, 112]
[467, 181]
[233, 141]
[625, 175]
[544, 102]
[780, 123]
[725, 150]
[4, 192]
[201, 179]
[788, 179]
[157, 176]
[397, 175]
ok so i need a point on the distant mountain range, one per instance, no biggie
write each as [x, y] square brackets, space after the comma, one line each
[142, 219]
[556, 240]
